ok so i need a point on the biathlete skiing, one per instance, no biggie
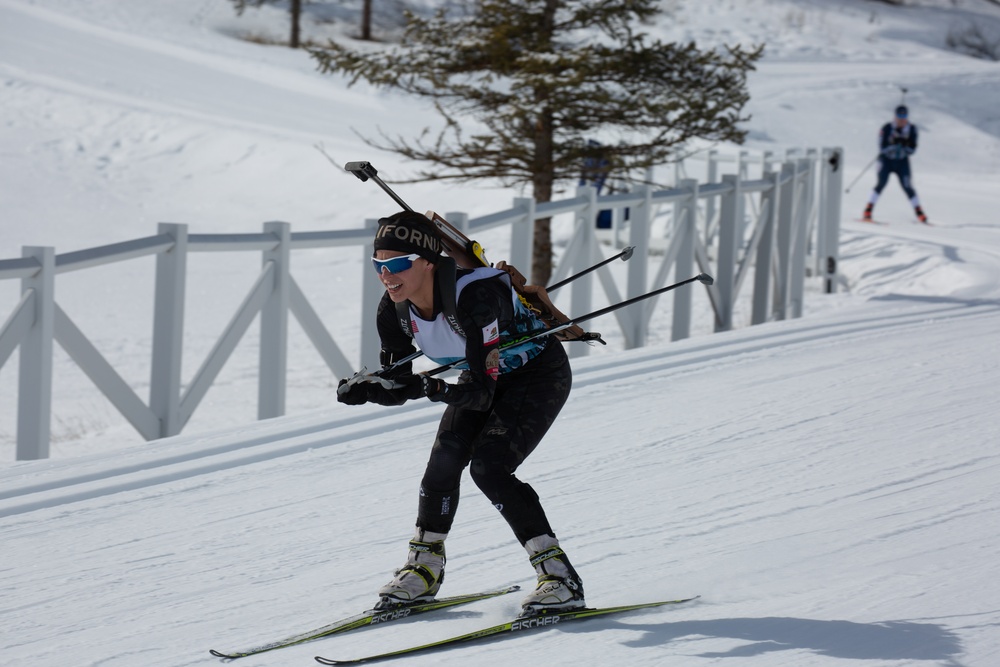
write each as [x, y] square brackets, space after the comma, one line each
[504, 401]
[897, 142]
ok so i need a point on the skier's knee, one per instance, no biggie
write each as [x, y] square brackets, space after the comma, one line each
[446, 463]
[491, 477]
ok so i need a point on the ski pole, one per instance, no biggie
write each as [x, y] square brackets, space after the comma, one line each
[867, 167]
[361, 376]
[703, 278]
[625, 255]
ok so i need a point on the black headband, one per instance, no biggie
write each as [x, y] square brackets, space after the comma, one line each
[409, 232]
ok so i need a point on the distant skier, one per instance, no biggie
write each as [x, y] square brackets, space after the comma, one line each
[897, 142]
[496, 414]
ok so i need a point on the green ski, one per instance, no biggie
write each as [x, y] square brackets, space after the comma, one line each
[506, 629]
[365, 618]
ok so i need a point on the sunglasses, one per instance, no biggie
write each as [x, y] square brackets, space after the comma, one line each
[394, 264]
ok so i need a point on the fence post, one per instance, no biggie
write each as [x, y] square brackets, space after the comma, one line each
[765, 250]
[743, 171]
[786, 211]
[711, 175]
[522, 235]
[583, 288]
[371, 294]
[828, 236]
[168, 330]
[34, 394]
[640, 221]
[804, 178]
[458, 220]
[686, 229]
[730, 226]
[272, 376]
[812, 218]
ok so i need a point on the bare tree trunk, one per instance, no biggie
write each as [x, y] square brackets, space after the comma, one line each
[295, 41]
[541, 265]
[544, 177]
[544, 167]
[366, 20]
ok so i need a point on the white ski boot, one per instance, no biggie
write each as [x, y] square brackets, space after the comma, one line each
[559, 586]
[420, 579]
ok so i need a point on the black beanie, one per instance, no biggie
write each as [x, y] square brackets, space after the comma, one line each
[409, 232]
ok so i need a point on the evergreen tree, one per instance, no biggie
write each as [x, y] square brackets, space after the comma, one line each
[524, 88]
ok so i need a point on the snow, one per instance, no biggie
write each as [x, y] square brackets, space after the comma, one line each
[827, 484]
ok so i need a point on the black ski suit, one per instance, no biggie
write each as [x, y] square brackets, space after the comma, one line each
[500, 409]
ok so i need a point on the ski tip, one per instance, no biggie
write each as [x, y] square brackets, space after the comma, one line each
[218, 654]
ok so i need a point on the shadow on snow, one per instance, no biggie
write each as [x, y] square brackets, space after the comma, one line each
[889, 640]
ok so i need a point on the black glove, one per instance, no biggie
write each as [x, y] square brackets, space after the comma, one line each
[390, 391]
[435, 389]
[432, 388]
[355, 394]
[402, 388]
[397, 390]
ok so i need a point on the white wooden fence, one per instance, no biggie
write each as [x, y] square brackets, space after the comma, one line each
[786, 219]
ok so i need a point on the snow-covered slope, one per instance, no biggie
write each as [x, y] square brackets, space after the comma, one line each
[828, 485]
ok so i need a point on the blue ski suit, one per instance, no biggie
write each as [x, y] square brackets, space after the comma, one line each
[896, 145]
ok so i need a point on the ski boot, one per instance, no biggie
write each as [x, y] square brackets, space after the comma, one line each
[559, 586]
[867, 215]
[420, 579]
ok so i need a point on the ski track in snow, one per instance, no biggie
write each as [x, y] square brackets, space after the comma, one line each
[68, 484]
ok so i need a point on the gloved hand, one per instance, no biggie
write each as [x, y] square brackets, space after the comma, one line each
[405, 388]
[352, 394]
[402, 388]
[393, 391]
[363, 388]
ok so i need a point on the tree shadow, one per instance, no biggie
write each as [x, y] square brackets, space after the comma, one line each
[884, 641]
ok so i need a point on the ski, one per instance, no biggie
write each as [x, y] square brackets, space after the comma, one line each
[886, 224]
[509, 628]
[365, 618]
